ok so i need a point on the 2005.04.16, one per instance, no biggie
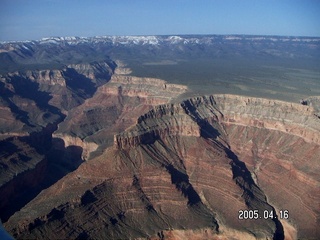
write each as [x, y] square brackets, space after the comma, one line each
[255, 214]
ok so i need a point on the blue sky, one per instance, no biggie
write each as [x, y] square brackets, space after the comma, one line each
[34, 19]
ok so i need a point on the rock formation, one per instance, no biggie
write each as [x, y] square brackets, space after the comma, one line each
[191, 165]
[114, 107]
[32, 104]
[90, 151]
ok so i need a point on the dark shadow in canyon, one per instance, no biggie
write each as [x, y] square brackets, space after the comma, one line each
[143, 197]
[206, 129]
[57, 162]
[181, 181]
[28, 89]
[82, 85]
[6, 96]
[244, 180]
[241, 174]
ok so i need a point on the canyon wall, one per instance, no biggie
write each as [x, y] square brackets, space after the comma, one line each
[278, 142]
[33, 103]
[114, 107]
[157, 168]
[88, 151]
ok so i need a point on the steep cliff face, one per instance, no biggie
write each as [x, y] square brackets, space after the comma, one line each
[192, 165]
[203, 159]
[115, 107]
[278, 142]
[45, 77]
[163, 120]
[96, 71]
[148, 188]
[32, 99]
[155, 167]
[313, 102]
[87, 147]
[32, 104]
[294, 119]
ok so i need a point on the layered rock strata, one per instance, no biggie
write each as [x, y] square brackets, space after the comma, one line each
[32, 99]
[279, 142]
[155, 169]
[197, 162]
[32, 104]
[114, 107]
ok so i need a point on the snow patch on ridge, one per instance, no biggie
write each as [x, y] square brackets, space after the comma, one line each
[170, 39]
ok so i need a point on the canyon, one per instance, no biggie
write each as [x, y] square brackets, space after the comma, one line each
[89, 150]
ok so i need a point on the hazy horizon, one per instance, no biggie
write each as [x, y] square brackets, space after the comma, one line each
[35, 19]
[158, 35]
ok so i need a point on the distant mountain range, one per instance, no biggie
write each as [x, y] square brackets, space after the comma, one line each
[169, 39]
[58, 51]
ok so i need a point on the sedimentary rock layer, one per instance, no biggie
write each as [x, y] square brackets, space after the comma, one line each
[196, 162]
[32, 104]
[156, 167]
[115, 107]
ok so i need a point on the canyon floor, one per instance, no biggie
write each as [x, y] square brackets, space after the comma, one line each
[159, 148]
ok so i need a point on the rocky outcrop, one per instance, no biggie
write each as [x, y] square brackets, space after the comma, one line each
[116, 106]
[291, 118]
[161, 121]
[151, 130]
[157, 167]
[294, 119]
[173, 167]
[87, 147]
[204, 159]
[148, 88]
[261, 133]
[313, 102]
[45, 77]
[32, 105]
[95, 70]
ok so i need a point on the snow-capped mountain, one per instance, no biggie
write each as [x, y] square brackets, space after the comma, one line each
[66, 50]
[157, 40]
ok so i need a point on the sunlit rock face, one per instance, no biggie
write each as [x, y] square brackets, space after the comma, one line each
[90, 151]
[114, 107]
[191, 165]
[279, 143]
